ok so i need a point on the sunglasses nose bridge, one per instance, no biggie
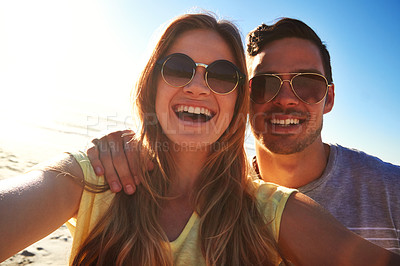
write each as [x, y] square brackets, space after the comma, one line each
[288, 80]
[201, 65]
[283, 96]
[195, 70]
[197, 85]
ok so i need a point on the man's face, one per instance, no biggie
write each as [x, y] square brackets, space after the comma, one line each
[286, 125]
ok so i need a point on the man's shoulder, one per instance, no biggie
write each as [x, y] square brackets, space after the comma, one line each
[356, 160]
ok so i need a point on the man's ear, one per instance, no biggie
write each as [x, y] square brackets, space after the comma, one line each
[330, 99]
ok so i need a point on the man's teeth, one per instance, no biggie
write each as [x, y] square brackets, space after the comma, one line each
[193, 110]
[285, 122]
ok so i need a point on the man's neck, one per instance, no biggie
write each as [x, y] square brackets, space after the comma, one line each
[293, 170]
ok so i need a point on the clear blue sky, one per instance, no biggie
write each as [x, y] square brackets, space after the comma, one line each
[51, 51]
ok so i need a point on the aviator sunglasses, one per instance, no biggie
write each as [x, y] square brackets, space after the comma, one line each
[222, 76]
[310, 88]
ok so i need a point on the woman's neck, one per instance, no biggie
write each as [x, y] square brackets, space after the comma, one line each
[188, 167]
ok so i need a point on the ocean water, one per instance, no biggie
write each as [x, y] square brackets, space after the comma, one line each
[25, 142]
[31, 139]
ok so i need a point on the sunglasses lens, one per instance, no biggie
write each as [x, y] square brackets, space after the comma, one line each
[310, 88]
[178, 70]
[263, 88]
[222, 77]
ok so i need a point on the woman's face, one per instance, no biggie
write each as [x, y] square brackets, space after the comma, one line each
[178, 109]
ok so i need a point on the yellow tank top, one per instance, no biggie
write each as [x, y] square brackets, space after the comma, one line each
[272, 199]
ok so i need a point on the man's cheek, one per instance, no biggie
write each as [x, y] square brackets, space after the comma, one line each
[258, 123]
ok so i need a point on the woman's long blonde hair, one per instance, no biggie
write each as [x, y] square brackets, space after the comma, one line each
[232, 230]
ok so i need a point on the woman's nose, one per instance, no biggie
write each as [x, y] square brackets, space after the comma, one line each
[198, 86]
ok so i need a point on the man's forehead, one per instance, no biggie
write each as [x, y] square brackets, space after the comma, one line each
[257, 63]
[285, 56]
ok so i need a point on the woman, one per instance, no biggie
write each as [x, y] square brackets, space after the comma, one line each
[197, 206]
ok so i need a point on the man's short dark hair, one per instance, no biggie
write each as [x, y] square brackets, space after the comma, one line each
[287, 28]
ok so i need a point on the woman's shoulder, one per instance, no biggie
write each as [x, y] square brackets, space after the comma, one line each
[271, 199]
[266, 191]
[86, 169]
[62, 164]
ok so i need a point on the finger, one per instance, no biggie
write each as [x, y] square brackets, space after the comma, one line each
[133, 156]
[93, 154]
[95, 141]
[128, 133]
[137, 181]
[109, 170]
[121, 165]
[150, 165]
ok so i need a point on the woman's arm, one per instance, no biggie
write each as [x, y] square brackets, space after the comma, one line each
[309, 235]
[36, 203]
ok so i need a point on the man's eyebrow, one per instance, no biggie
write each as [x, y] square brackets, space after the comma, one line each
[259, 71]
[309, 70]
[302, 70]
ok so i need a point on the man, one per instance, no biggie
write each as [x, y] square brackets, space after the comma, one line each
[361, 191]
[291, 89]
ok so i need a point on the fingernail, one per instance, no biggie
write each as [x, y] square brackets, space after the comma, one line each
[115, 187]
[129, 189]
[97, 169]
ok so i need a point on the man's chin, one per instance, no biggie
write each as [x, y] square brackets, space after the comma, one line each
[284, 145]
[283, 148]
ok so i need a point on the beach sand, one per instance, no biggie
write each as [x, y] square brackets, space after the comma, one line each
[51, 250]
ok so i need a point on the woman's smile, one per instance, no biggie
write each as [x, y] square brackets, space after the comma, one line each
[192, 113]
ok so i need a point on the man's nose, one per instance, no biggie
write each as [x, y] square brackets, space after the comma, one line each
[286, 96]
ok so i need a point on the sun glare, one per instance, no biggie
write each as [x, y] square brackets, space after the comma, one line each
[54, 52]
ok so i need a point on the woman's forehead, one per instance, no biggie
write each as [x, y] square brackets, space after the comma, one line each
[203, 46]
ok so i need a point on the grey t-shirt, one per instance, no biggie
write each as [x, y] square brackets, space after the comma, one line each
[363, 193]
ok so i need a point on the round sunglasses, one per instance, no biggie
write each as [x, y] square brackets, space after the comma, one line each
[311, 88]
[222, 76]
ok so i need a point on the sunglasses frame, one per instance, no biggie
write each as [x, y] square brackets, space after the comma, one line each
[240, 76]
[291, 85]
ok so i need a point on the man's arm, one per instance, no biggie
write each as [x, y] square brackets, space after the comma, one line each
[311, 236]
[36, 203]
[115, 156]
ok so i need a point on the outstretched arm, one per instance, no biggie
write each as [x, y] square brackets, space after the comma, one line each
[36, 203]
[311, 236]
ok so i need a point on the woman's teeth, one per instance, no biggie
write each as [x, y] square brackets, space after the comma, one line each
[285, 122]
[194, 110]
